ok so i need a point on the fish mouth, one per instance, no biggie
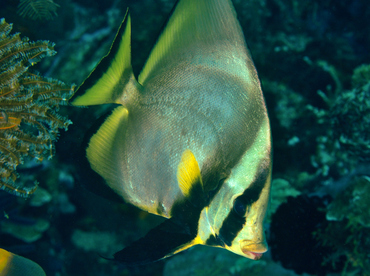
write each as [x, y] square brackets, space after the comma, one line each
[252, 255]
[252, 250]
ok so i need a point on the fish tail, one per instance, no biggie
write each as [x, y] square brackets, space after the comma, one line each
[112, 80]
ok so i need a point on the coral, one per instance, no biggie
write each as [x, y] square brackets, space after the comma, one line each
[341, 149]
[348, 229]
[16, 222]
[37, 9]
[353, 203]
[280, 190]
[289, 104]
[345, 139]
[219, 262]
[292, 241]
[102, 242]
[29, 122]
[351, 115]
[351, 243]
[40, 197]
[361, 75]
[25, 232]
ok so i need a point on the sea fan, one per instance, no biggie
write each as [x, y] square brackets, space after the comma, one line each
[38, 9]
[29, 123]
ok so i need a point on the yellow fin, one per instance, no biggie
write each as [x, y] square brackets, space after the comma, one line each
[15, 265]
[102, 149]
[188, 173]
[112, 75]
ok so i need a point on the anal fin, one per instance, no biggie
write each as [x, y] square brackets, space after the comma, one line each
[102, 148]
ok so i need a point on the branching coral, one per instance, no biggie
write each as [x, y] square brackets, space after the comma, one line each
[29, 122]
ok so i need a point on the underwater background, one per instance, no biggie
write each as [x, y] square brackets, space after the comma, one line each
[313, 59]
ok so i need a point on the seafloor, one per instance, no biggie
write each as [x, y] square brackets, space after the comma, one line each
[313, 59]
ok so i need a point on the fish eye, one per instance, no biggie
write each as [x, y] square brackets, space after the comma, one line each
[240, 208]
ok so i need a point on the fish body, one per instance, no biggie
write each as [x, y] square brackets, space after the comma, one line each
[15, 265]
[190, 139]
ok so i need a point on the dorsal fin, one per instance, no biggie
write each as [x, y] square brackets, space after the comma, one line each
[195, 31]
[112, 75]
[188, 173]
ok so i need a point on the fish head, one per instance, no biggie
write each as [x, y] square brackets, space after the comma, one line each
[236, 218]
[245, 221]
[236, 213]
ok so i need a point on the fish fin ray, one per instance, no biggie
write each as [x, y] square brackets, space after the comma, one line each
[112, 74]
[205, 27]
[188, 173]
[101, 150]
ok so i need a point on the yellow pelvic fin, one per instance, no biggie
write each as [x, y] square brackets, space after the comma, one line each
[192, 243]
[188, 173]
[113, 75]
[102, 148]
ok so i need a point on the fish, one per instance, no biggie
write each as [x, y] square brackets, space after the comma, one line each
[189, 138]
[15, 265]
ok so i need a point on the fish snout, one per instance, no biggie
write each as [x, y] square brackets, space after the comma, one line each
[253, 250]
